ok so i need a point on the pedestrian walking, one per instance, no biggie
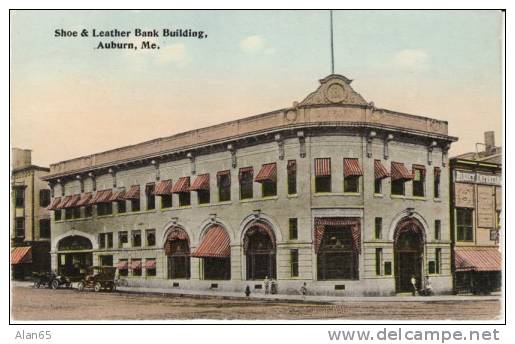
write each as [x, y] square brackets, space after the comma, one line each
[266, 282]
[414, 284]
[303, 290]
[247, 291]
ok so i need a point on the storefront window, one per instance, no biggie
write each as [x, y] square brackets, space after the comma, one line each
[464, 224]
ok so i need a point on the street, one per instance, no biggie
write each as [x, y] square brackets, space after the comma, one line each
[63, 304]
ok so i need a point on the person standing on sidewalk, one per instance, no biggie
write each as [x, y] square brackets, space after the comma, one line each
[247, 291]
[414, 284]
[303, 290]
[266, 282]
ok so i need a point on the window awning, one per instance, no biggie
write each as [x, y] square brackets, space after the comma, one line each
[136, 264]
[268, 172]
[399, 171]
[380, 172]
[354, 223]
[102, 196]
[437, 172]
[117, 196]
[351, 168]
[122, 265]
[245, 170]
[182, 185]
[216, 243]
[150, 264]
[85, 199]
[291, 167]
[72, 202]
[221, 174]
[418, 168]
[21, 255]
[132, 193]
[322, 167]
[54, 204]
[164, 187]
[63, 202]
[200, 183]
[477, 259]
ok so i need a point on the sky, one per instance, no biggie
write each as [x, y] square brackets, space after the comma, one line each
[69, 99]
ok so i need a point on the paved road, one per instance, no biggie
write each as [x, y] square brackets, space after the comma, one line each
[45, 304]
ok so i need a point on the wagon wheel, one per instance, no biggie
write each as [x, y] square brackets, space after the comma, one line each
[55, 284]
[80, 286]
[37, 284]
[98, 286]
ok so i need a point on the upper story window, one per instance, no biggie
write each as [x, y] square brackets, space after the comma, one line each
[464, 224]
[164, 189]
[323, 175]
[351, 174]
[104, 208]
[267, 176]
[123, 239]
[400, 175]
[223, 180]
[151, 197]
[44, 198]
[380, 173]
[19, 227]
[44, 228]
[202, 187]
[436, 182]
[419, 180]
[19, 196]
[293, 228]
[378, 227]
[151, 237]
[438, 229]
[57, 214]
[182, 188]
[292, 176]
[133, 195]
[136, 238]
[246, 177]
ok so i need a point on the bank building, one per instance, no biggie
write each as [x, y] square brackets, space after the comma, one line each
[350, 198]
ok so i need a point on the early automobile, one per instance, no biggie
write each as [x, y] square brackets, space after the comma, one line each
[98, 278]
[50, 280]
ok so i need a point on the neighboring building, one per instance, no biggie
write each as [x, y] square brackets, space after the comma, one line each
[29, 218]
[475, 217]
[331, 191]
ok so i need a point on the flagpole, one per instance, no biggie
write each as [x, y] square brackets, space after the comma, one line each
[332, 47]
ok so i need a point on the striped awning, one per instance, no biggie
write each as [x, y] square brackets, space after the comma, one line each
[415, 169]
[164, 187]
[322, 222]
[102, 196]
[150, 264]
[122, 265]
[245, 170]
[85, 199]
[21, 255]
[438, 171]
[322, 167]
[132, 193]
[221, 174]
[399, 171]
[72, 202]
[215, 243]
[136, 264]
[200, 183]
[117, 196]
[175, 234]
[63, 202]
[54, 204]
[150, 189]
[351, 168]
[268, 172]
[380, 171]
[291, 167]
[182, 185]
[477, 259]
[261, 228]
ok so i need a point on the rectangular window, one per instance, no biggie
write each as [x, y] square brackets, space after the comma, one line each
[104, 209]
[123, 239]
[436, 184]
[57, 214]
[166, 201]
[204, 196]
[135, 206]
[323, 175]
[387, 268]
[124, 272]
[379, 260]
[151, 237]
[136, 238]
[438, 260]
[378, 227]
[136, 267]
[19, 196]
[68, 213]
[351, 184]
[419, 178]
[494, 234]
[293, 225]
[269, 188]
[19, 227]
[464, 224]
[438, 230]
[76, 213]
[88, 210]
[184, 199]
[44, 228]
[101, 240]
[109, 239]
[378, 186]
[122, 206]
[151, 197]
[44, 198]
[246, 177]
[150, 267]
[292, 177]
[431, 267]
[398, 187]
[294, 263]
[223, 179]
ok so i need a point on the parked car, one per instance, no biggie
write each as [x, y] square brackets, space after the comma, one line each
[50, 280]
[98, 278]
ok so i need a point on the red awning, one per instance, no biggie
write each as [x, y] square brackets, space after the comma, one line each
[122, 265]
[420, 168]
[72, 202]
[322, 167]
[351, 168]
[478, 259]
[64, 201]
[245, 170]
[221, 174]
[215, 243]
[21, 255]
[291, 167]
[132, 193]
[117, 196]
[321, 223]
[175, 234]
[200, 183]
[380, 171]
[182, 185]
[85, 199]
[54, 204]
[150, 264]
[102, 196]
[164, 187]
[268, 172]
[399, 171]
[136, 264]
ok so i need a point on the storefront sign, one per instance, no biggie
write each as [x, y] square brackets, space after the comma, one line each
[479, 178]
[485, 206]
[464, 195]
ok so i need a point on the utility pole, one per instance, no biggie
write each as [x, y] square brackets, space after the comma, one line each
[332, 46]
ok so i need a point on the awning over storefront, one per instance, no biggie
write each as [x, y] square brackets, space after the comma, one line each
[175, 234]
[322, 222]
[322, 167]
[117, 196]
[399, 171]
[85, 199]
[136, 264]
[21, 255]
[215, 243]
[268, 172]
[54, 204]
[182, 185]
[63, 202]
[164, 187]
[477, 259]
[122, 265]
[72, 202]
[150, 264]
[200, 183]
[102, 196]
[351, 168]
[132, 193]
[380, 171]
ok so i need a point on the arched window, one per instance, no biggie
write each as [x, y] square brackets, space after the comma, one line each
[215, 252]
[260, 251]
[177, 248]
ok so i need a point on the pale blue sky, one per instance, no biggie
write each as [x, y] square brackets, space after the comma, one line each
[67, 97]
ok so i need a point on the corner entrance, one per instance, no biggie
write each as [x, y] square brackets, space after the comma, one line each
[409, 253]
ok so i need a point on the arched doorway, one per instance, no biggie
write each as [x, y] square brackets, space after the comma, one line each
[74, 255]
[177, 249]
[409, 254]
[215, 253]
[260, 251]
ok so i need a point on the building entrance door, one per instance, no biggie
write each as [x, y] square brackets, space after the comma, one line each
[408, 264]
[408, 255]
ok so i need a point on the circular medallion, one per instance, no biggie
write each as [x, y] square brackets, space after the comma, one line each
[291, 116]
[335, 93]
